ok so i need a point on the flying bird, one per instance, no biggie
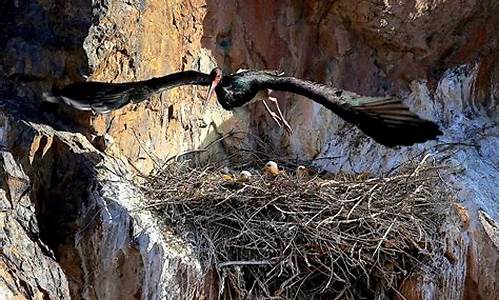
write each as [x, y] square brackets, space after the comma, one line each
[385, 119]
[103, 97]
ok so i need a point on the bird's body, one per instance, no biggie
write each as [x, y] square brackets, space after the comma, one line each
[304, 172]
[261, 93]
[385, 119]
[102, 97]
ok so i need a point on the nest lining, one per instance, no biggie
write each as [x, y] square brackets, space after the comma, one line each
[285, 237]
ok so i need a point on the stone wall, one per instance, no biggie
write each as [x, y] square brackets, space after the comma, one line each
[66, 200]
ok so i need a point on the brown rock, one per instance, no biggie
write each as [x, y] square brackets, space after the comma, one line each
[56, 197]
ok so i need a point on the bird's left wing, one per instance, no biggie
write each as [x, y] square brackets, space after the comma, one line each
[385, 119]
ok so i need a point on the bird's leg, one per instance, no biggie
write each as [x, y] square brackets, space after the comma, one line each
[281, 117]
[272, 113]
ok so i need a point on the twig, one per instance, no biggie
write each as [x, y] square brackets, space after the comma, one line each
[242, 263]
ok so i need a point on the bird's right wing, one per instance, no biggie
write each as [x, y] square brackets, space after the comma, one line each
[99, 97]
[103, 97]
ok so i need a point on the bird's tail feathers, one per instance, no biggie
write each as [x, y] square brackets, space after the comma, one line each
[389, 122]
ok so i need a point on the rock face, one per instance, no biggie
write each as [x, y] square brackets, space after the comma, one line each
[64, 207]
[39, 277]
[66, 199]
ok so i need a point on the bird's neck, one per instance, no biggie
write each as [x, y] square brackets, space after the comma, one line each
[178, 79]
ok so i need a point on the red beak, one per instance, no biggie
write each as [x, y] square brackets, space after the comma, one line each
[212, 88]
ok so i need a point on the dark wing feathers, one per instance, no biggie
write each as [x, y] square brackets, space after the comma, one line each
[100, 97]
[103, 97]
[385, 119]
[389, 122]
[364, 102]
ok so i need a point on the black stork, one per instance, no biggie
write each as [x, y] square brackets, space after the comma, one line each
[385, 119]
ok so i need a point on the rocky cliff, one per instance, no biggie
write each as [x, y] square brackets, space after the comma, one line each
[68, 223]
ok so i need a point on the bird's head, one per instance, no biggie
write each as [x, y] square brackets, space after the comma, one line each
[215, 77]
[302, 171]
[271, 168]
[244, 176]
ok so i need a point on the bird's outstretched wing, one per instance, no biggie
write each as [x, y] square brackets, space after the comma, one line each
[388, 121]
[385, 119]
[99, 97]
[269, 72]
[102, 97]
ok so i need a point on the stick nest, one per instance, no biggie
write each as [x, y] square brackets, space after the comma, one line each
[317, 237]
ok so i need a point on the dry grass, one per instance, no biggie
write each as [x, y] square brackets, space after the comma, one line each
[340, 237]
